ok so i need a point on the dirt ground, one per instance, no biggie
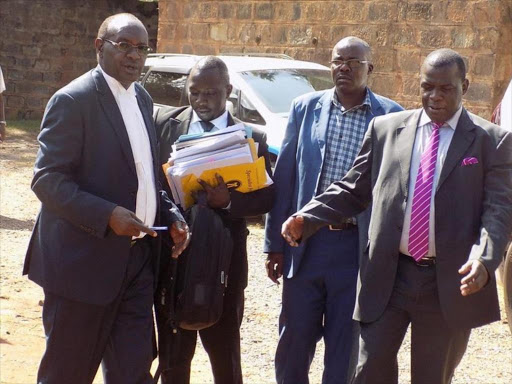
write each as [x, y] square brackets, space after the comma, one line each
[488, 359]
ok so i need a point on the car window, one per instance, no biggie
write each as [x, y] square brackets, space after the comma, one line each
[166, 87]
[277, 88]
[248, 113]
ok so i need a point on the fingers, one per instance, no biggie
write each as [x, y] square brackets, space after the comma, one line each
[475, 280]
[274, 266]
[180, 235]
[272, 271]
[219, 178]
[142, 228]
[269, 266]
[292, 230]
[125, 223]
[205, 185]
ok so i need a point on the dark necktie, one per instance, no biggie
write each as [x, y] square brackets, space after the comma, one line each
[206, 125]
[420, 212]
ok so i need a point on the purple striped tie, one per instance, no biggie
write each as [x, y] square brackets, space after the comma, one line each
[420, 212]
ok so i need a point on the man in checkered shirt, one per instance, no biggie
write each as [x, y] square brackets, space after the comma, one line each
[324, 134]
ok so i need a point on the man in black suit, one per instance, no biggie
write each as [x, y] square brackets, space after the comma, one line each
[96, 176]
[208, 90]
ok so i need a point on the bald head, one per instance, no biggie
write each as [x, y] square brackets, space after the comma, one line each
[113, 24]
[352, 41]
[212, 63]
[445, 58]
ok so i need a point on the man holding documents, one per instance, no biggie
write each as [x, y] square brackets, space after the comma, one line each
[209, 88]
[96, 176]
[325, 131]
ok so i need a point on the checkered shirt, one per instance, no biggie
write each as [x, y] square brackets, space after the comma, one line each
[345, 134]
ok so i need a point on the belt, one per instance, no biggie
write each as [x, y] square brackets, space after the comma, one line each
[342, 227]
[426, 261]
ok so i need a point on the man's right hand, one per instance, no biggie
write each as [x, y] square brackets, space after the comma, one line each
[274, 266]
[292, 230]
[124, 223]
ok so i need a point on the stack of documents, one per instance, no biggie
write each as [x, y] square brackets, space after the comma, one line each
[227, 152]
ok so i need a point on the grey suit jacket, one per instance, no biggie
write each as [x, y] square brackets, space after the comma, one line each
[473, 211]
[84, 169]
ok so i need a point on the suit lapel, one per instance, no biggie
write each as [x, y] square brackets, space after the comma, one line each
[462, 139]
[321, 120]
[182, 123]
[405, 136]
[111, 110]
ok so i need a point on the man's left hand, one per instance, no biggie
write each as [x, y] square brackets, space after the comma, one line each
[180, 235]
[217, 197]
[476, 278]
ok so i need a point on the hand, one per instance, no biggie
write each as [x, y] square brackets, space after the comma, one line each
[217, 197]
[180, 235]
[124, 223]
[274, 266]
[476, 278]
[292, 230]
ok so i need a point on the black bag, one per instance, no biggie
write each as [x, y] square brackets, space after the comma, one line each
[192, 289]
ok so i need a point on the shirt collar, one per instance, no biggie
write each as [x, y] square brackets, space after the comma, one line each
[366, 102]
[115, 86]
[220, 122]
[451, 122]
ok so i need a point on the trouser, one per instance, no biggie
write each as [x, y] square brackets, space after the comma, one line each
[436, 349]
[318, 302]
[221, 341]
[120, 335]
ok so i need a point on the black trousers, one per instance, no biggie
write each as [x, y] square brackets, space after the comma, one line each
[80, 336]
[221, 341]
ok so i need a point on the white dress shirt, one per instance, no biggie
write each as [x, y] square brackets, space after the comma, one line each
[2, 83]
[146, 203]
[423, 133]
[219, 123]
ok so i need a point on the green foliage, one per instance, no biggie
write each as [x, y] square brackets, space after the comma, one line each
[28, 126]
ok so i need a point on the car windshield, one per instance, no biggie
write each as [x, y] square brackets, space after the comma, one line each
[278, 87]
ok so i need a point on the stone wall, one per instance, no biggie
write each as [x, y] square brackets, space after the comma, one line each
[401, 33]
[46, 43]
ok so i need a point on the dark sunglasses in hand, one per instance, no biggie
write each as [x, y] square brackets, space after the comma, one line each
[352, 63]
[127, 47]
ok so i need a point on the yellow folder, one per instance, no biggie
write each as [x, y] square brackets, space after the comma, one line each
[244, 178]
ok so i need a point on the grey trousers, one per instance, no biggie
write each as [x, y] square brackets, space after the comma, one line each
[436, 349]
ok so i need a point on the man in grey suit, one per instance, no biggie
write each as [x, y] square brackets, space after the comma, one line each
[96, 176]
[440, 182]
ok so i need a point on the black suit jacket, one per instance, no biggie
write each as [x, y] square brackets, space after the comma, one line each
[84, 169]
[170, 124]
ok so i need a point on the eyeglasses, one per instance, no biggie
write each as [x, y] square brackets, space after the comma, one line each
[127, 47]
[351, 63]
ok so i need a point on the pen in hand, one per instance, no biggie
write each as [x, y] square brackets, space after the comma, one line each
[159, 228]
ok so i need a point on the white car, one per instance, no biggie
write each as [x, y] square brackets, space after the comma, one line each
[263, 86]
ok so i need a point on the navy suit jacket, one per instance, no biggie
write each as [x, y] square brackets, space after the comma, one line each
[84, 169]
[299, 167]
